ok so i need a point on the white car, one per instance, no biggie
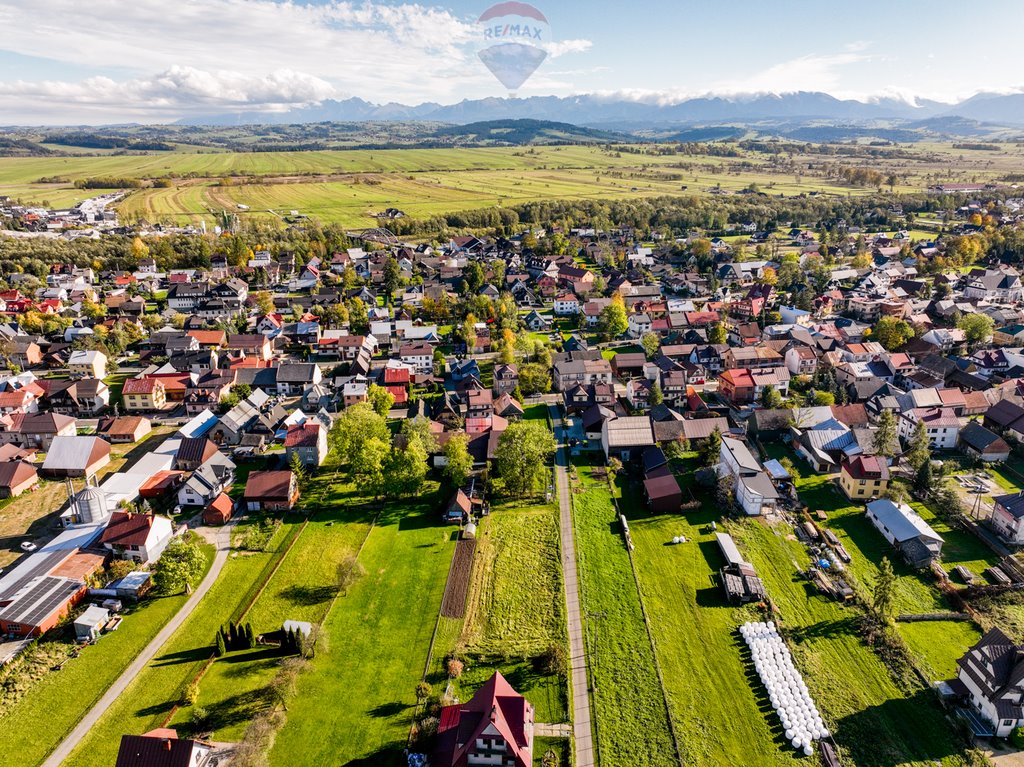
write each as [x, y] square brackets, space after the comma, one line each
[28, 546]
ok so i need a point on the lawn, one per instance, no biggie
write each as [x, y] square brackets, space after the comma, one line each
[626, 697]
[149, 699]
[355, 706]
[915, 591]
[875, 720]
[301, 588]
[61, 698]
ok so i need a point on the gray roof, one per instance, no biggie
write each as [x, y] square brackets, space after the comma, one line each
[742, 454]
[902, 521]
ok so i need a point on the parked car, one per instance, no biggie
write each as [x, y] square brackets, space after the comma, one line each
[28, 546]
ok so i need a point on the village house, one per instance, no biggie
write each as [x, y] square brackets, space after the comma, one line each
[991, 675]
[494, 727]
[144, 395]
[1007, 517]
[308, 441]
[864, 477]
[88, 363]
[904, 528]
[139, 538]
[271, 491]
[755, 493]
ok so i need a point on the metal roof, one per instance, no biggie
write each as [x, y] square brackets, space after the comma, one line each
[902, 521]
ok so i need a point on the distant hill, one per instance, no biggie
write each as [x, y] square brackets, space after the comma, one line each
[521, 132]
[597, 111]
[992, 107]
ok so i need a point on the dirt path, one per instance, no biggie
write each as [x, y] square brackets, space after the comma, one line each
[582, 731]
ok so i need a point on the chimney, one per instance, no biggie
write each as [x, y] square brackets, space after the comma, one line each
[167, 745]
[494, 712]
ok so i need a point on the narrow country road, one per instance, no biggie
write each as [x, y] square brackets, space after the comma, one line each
[582, 730]
[222, 539]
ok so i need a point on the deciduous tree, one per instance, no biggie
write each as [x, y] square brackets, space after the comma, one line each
[524, 449]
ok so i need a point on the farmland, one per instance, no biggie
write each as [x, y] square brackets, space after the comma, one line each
[347, 186]
[874, 720]
[708, 684]
[507, 625]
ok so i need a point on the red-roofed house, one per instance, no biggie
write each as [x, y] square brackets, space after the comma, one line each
[494, 727]
[309, 441]
[219, 511]
[863, 477]
[737, 386]
[140, 538]
[144, 394]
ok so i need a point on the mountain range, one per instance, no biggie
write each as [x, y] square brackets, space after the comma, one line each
[624, 114]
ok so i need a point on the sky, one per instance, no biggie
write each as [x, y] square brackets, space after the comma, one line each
[111, 61]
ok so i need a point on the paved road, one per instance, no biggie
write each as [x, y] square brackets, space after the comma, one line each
[582, 731]
[222, 539]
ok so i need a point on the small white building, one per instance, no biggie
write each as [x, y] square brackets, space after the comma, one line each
[90, 623]
[754, 490]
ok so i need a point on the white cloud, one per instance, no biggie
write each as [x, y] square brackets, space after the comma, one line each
[813, 72]
[253, 53]
[179, 89]
[562, 47]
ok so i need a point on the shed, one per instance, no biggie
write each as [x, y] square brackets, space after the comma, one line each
[133, 585]
[662, 491]
[728, 548]
[90, 623]
[219, 511]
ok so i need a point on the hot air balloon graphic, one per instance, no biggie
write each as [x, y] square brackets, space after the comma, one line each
[514, 35]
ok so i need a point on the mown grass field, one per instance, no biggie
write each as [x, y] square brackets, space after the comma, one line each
[302, 588]
[346, 186]
[695, 632]
[915, 592]
[355, 705]
[61, 698]
[632, 724]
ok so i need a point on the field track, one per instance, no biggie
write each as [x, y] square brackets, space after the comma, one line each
[453, 605]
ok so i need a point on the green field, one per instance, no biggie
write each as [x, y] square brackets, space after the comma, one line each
[915, 592]
[875, 721]
[507, 625]
[50, 699]
[626, 697]
[698, 647]
[150, 698]
[302, 588]
[356, 704]
[347, 186]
